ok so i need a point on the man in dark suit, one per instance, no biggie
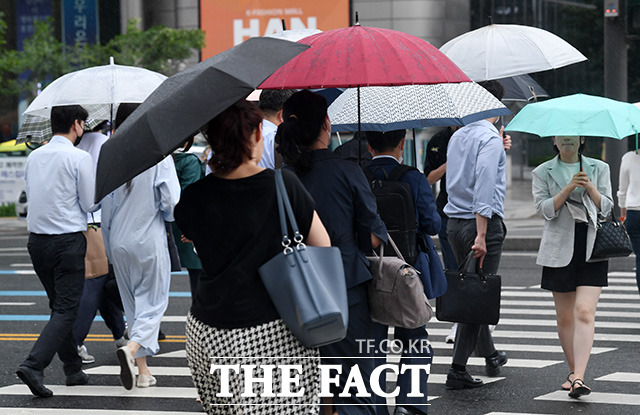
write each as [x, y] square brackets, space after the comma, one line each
[387, 149]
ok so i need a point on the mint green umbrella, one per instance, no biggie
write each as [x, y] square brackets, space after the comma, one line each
[579, 114]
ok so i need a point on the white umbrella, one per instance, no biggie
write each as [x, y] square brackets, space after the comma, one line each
[99, 86]
[637, 104]
[294, 35]
[499, 51]
[36, 129]
[413, 106]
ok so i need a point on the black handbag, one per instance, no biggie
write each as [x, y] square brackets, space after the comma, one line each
[472, 296]
[612, 241]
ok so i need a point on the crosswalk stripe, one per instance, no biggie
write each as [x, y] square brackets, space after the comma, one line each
[515, 334]
[552, 323]
[111, 391]
[15, 304]
[622, 274]
[182, 354]
[599, 313]
[157, 371]
[536, 303]
[509, 347]
[65, 411]
[621, 377]
[546, 294]
[514, 413]
[594, 397]
[479, 361]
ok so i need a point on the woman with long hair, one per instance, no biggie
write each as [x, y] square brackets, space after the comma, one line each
[348, 209]
[133, 227]
[231, 216]
[571, 193]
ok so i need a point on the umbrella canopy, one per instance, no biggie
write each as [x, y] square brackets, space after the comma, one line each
[364, 56]
[522, 88]
[414, 106]
[499, 51]
[95, 87]
[36, 129]
[183, 104]
[578, 114]
[294, 35]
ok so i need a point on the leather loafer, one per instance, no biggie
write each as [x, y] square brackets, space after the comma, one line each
[34, 380]
[78, 378]
[461, 379]
[403, 410]
[493, 364]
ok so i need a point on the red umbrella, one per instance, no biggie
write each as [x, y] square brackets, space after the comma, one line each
[364, 56]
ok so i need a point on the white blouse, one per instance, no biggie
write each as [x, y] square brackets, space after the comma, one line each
[629, 188]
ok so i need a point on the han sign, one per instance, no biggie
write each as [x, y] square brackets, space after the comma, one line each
[227, 24]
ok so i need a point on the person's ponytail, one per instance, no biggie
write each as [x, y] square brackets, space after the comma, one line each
[303, 118]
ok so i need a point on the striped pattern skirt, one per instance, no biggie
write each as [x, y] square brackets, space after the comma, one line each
[271, 343]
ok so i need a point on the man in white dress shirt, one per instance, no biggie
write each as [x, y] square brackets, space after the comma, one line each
[271, 102]
[60, 187]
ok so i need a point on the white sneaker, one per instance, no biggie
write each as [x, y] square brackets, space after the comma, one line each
[144, 381]
[451, 337]
[84, 355]
[121, 342]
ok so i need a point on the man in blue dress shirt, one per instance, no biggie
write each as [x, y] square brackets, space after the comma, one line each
[476, 184]
[60, 188]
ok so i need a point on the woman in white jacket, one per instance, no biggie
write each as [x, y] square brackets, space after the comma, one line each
[571, 192]
[629, 200]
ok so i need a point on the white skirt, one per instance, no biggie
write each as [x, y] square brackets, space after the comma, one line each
[270, 343]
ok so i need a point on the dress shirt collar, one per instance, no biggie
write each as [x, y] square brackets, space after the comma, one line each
[59, 139]
[386, 156]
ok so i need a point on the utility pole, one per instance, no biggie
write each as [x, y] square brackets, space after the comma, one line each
[615, 79]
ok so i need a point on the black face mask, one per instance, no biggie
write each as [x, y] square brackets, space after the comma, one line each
[79, 138]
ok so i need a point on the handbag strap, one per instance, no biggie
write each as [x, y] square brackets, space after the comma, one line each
[285, 204]
[469, 266]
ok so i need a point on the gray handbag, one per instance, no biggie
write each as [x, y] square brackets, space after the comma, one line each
[306, 283]
[396, 294]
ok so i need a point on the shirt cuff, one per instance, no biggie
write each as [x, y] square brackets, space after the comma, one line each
[483, 210]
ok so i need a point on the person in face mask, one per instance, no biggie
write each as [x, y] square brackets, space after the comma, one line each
[56, 220]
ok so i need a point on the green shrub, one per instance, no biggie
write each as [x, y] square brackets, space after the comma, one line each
[7, 210]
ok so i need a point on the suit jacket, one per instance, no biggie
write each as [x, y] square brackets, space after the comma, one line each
[556, 246]
[348, 210]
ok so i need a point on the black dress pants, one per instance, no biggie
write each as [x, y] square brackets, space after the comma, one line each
[59, 263]
[462, 234]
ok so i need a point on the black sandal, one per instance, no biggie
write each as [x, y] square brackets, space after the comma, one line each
[578, 389]
[568, 380]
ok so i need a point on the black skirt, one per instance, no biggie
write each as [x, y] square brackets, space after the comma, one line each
[579, 272]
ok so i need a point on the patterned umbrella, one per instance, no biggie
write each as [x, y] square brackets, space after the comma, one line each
[414, 106]
[36, 129]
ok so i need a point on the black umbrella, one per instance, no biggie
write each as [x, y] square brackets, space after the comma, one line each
[522, 88]
[183, 104]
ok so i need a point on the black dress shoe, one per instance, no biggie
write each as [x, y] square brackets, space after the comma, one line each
[79, 378]
[493, 364]
[461, 379]
[403, 410]
[34, 380]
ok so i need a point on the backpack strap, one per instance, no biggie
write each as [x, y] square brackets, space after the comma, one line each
[399, 171]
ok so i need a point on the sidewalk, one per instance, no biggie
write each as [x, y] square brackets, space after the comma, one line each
[524, 226]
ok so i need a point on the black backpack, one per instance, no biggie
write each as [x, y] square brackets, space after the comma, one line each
[396, 209]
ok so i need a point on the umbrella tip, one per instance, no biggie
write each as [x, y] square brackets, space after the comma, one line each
[357, 19]
[111, 60]
[284, 25]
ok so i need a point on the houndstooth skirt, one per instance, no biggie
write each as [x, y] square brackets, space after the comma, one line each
[255, 345]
